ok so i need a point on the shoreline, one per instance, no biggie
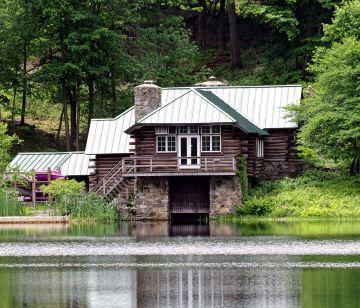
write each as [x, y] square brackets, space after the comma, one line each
[34, 220]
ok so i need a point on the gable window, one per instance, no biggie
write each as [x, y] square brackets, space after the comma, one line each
[211, 138]
[183, 129]
[165, 144]
[161, 130]
[259, 148]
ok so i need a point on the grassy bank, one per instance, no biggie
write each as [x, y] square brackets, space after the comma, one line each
[316, 193]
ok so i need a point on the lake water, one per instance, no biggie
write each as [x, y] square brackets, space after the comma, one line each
[271, 264]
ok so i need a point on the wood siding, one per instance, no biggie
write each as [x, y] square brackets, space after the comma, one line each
[280, 153]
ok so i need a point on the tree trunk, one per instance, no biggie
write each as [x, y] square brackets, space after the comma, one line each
[234, 40]
[113, 91]
[78, 100]
[73, 127]
[222, 20]
[66, 118]
[201, 37]
[25, 51]
[60, 125]
[13, 110]
[91, 103]
[355, 166]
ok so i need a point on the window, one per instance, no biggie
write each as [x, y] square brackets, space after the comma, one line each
[211, 138]
[215, 129]
[206, 129]
[161, 130]
[183, 129]
[211, 129]
[171, 143]
[259, 148]
[215, 143]
[166, 144]
[210, 143]
[205, 143]
[194, 129]
[172, 130]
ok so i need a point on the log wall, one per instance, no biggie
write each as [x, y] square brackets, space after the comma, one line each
[102, 165]
[280, 154]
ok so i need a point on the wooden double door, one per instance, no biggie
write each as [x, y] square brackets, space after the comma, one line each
[189, 195]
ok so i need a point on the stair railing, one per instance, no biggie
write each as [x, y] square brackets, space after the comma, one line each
[108, 178]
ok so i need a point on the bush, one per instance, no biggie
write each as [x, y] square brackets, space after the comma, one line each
[71, 199]
[316, 193]
[9, 205]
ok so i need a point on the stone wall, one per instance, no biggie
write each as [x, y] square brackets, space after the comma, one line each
[147, 97]
[225, 194]
[152, 198]
[274, 170]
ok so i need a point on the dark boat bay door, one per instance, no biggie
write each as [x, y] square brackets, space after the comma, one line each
[189, 195]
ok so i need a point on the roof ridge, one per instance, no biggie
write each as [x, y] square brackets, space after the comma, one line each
[229, 87]
[253, 127]
[161, 107]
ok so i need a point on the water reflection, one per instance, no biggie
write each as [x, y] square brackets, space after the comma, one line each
[181, 287]
[268, 265]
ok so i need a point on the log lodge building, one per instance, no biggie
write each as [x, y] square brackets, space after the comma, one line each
[176, 149]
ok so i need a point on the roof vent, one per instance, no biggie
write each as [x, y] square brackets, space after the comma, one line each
[149, 82]
[211, 82]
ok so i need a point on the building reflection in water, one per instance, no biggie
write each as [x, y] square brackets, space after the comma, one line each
[177, 287]
[218, 288]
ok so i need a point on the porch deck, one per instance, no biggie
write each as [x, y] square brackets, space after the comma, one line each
[177, 166]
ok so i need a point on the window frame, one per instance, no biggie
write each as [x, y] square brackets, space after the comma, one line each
[260, 148]
[211, 143]
[166, 144]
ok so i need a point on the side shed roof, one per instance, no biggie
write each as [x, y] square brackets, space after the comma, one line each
[68, 163]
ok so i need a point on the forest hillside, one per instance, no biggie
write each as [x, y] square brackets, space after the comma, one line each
[64, 62]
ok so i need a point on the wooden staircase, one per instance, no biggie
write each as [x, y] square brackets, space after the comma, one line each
[114, 185]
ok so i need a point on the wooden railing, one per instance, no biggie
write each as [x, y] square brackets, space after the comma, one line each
[107, 181]
[159, 164]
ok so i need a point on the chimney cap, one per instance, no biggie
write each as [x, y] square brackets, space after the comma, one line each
[211, 82]
[148, 84]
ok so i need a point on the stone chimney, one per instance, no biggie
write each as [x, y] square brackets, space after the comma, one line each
[147, 99]
[211, 82]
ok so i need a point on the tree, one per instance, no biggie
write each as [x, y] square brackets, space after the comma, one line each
[6, 143]
[331, 117]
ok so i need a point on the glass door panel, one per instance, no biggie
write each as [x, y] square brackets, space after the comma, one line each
[194, 150]
[189, 151]
[183, 150]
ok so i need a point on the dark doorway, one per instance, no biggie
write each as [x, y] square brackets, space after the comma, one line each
[188, 196]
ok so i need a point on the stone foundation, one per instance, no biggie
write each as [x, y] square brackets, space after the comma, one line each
[274, 170]
[225, 194]
[152, 198]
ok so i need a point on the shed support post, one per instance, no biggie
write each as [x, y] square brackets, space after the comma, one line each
[33, 190]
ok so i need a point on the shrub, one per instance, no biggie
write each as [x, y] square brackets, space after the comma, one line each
[71, 199]
[9, 205]
[316, 193]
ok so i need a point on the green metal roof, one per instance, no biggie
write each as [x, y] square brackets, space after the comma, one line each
[69, 163]
[242, 122]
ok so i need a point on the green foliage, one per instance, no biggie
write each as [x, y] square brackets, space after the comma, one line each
[331, 116]
[6, 143]
[346, 23]
[316, 193]
[87, 207]
[64, 189]
[241, 172]
[70, 199]
[9, 205]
